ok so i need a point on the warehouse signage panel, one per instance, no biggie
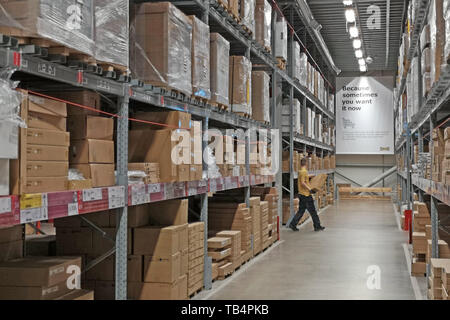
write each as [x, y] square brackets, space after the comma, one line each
[364, 115]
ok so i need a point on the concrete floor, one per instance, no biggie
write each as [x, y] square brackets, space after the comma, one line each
[332, 264]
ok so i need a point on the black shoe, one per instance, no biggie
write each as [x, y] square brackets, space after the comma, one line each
[293, 228]
[319, 228]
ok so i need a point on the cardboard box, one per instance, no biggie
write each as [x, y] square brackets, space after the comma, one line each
[47, 137]
[173, 119]
[168, 213]
[37, 271]
[162, 270]
[260, 96]
[74, 241]
[41, 246]
[38, 292]
[43, 184]
[100, 175]
[184, 261]
[45, 153]
[78, 295]
[157, 146]
[90, 127]
[11, 250]
[82, 97]
[163, 291]
[91, 151]
[79, 184]
[161, 37]
[46, 169]
[157, 242]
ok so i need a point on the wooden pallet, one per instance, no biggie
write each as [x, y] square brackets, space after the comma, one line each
[268, 49]
[196, 289]
[244, 115]
[219, 106]
[225, 271]
[281, 63]
[223, 4]
[247, 29]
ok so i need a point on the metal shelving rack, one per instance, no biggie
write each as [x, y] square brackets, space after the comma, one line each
[30, 60]
[433, 109]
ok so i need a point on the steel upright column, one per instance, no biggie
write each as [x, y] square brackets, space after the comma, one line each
[420, 146]
[434, 202]
[207, 274]
[408, 168]
[122, 214]
[291, 129]
[247, 151]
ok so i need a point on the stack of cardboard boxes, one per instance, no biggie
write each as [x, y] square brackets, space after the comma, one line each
[421, 218]
[225, 215]
[260, 96]
[41, 278]
[236, 252]
[151, 171]
[439, 280]
[92, 148]
[265, 224]
[196, 256]
[271, 196]
[446, 161]
[263, 23]
[44, 148]
[11, 242]
[438, 154]
[287, 210]
[220, 250]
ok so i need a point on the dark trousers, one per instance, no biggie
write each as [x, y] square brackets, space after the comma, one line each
[306, 203]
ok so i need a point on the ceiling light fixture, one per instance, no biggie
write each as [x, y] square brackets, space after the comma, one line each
[362, 62]
[354, 33]
[359, 54]
[347, 2]
[350, 15]
[357, 44]
[363, 68]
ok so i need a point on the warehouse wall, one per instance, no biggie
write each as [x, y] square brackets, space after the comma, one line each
[373, 166]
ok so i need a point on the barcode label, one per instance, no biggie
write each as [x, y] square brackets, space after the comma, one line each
[154, 188]
[5, 205]
[139, 195]
[72, 209]
[92, 195]
[33, 215]
[116, 197]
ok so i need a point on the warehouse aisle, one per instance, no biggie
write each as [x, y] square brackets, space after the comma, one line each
[332, 264]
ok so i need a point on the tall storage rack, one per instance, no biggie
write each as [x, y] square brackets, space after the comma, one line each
[30, 61]
[434, 109]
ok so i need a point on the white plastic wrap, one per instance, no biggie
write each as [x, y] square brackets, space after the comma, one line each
[200, 59]
[260, 96]
[415, 78]
[241, 84]
[161, 40]
[213, 170]
[248, 15]
[136, 176]
[281, 36]
[10, 121]
[303, 78]
[75, 175]
[263, 23]
[426, 60]
[437, 38]
[296, 61]
[112, 31]
[220, 69]
[66, 22]
[447, 38]
[425, 37]
[295, 120]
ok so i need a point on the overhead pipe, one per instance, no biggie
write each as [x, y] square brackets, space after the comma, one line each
[315, 27]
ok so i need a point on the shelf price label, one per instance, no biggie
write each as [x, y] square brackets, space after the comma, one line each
[92, 194]
[5, 205]
[116, 197]
[139, 194]
[30, 213]
[72, 209]
[168, 191]
[212, 185]
[154, 188]
[228, 183]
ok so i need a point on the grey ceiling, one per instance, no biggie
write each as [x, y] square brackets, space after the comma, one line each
[330, 14]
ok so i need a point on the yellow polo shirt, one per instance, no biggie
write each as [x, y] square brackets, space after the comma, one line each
[303, 177]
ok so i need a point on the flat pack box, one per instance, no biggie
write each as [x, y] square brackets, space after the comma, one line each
[37, 271]
[162, 270]
[155, 241]
[219, 69]
[90, 127]
[168, 213]
[43, 113]
[160, 54]
[105, 270]
[91, 151]
[240, 84]
[200, 59]
[80, 294]
[99, 175]
[11, 250]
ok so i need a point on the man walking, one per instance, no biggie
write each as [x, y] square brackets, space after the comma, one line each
[306, 199]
